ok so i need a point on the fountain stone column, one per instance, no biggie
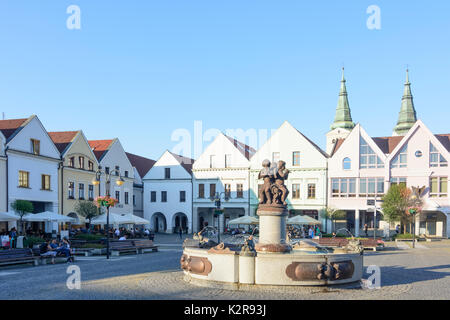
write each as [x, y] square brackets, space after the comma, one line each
[272, 228]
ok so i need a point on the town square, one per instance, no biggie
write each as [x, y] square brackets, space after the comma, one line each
[175, 151]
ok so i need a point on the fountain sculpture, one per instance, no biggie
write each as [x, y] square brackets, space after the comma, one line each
[271, 261]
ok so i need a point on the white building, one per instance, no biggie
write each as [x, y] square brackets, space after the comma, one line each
[307, 163]
[111, 156]
[32, 164]
[168, 194]
[141, 166]
[223, 168]
[3, 180]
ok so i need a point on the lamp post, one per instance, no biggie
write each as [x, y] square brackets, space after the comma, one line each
[218, 204]
[119, 182]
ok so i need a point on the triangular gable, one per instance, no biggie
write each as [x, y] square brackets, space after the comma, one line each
[343, 142]
[175, 157]
[288, 125]
[435, 141]
[220, 138]
[100, 147]
[372, 144]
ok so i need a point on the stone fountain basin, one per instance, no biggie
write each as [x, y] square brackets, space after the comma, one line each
[296, 268]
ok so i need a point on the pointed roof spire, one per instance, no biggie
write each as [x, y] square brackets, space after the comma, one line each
[407, 116]
[343, 117]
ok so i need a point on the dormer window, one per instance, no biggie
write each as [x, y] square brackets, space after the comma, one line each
[368, 158]
[90, 166]
[35, 146]
[401, 160]
[81, 162]
[166, 173]
[72, 162]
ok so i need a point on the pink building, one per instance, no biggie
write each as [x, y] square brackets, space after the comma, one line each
[362, 168]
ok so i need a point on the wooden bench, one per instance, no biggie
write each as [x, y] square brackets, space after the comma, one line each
[122, 246]
[44, 259]
[331, 242]
[372, 244]
[17, 256]
[143, 244]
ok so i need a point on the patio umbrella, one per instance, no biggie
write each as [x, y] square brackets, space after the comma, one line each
[302, 220]
[113, 219]
[47, 216]
[136, 219]
[6, 216]
[245, 220]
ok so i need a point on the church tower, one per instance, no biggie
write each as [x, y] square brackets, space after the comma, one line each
[407, 116]
[343, 123]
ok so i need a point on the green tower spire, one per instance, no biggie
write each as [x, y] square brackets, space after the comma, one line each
[343, 118]
[407, 116]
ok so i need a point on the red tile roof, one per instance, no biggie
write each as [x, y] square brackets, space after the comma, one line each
[8, 127]
[387, 144]
[246, 150]
[142, 165]
[62, 139]
[444, 139]
[99, 147]
[184, 161]
[337, 145]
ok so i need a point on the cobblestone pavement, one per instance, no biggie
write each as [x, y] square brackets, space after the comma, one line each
[407, 273]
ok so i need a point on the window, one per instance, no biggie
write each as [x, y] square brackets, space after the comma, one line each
[91, 192]
[275, 157]
[201, 190]
[343, 188]
[227, 160]
[72, 162]
[398, 181]
[212, 190]
[295, 191]
[126, 197]
[346, 164]
[438, 187]
[163, 196]
[153, 196]
[126, 174]
[118, 196]
[227, 190]
[436, 159]
[71, 190]
[107, 170]
[166, 173]
[45, 182]
[24, 179]
[239, 190]
[400, 160]
[90, 166]
[296, 158]
[369, 187]
[117, 171]
[311, 190]
[35, 146]
[368, 158]
[81, 191]
[81, 162]
[182, 196]
[212, 161]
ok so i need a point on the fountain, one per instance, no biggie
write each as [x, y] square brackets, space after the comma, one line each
[271, 261]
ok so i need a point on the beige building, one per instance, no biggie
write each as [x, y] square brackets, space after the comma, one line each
[77, 171]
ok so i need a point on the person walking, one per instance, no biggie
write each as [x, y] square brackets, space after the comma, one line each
[366, 227]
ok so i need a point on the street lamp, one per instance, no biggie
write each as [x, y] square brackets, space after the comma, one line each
[219, 211]
[96, 182]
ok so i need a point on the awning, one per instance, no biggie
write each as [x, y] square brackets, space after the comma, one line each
[302, 220]
[245, 220]
[113, 219]
[6, 216]
[136, 219]
[47, 216]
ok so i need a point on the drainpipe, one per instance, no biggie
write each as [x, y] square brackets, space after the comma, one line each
[61, 167]
[192, 202]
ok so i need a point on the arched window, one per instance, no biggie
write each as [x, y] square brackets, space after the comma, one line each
[346, 164]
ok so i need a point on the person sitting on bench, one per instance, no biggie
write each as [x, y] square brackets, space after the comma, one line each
[65, 249]
[46, 250]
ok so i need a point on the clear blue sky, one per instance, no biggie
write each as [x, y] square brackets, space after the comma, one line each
[138, 70]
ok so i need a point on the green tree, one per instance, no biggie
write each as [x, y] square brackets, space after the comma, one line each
[395, 204]
[334, 214]
[22, 207]
[87, 209]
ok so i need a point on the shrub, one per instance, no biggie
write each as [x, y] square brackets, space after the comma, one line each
[88, 236]
[29, 242]
[403, 236]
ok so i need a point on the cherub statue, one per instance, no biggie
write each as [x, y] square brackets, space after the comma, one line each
[265, 196]
[280, 176]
